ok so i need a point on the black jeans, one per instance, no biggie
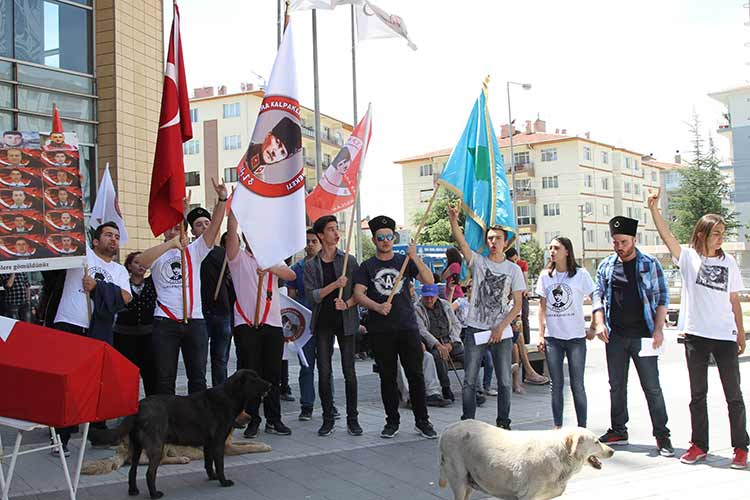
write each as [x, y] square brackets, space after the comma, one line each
[620, 350]
[525, 319]
[169, 338]
[262, 349]
[66, 432]
[697, 352]
[442, 366]
[138, 349]
[388, 348]
[21, 312]
[324, 340]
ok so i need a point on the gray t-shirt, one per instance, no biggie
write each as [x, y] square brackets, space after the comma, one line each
[492, 285]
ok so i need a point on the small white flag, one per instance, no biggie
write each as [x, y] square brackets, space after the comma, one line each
[373, 22]
[295, 323]
[317, 4]
[106, 208]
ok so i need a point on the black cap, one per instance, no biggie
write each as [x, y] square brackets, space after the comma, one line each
[623, 225]
[196, 214]
[382, 222]
[289, 134]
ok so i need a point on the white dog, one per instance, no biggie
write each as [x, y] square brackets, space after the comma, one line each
[514, 465]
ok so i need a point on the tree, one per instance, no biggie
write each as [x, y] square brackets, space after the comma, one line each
[533, 253]
[437, 227]
[702, 189]
[368, 248]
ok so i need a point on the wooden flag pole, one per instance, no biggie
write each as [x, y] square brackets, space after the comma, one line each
[406, 260]
[221, 278]
[88, 294]
[182, 271]
[350, 230]
[257, 300]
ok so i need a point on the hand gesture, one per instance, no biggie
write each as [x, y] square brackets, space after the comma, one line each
[89, 283]
[411, 250]
[453, 212]
[186, 202]
[496, 336]
[740, 343]
[341, 282]
[384, 308]
[653, 199]
[221, 189]
[177, 243]
[339, 304]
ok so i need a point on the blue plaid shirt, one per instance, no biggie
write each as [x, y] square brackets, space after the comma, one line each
[652, 286]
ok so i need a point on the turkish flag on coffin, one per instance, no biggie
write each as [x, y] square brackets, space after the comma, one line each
[60, 379]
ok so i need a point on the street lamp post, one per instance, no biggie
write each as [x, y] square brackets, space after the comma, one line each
[525, 86]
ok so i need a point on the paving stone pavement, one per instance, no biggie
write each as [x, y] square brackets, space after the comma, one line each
[305, 466]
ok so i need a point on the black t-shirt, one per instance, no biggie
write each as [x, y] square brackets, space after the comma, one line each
[329, 317]
[210, 270]
[626, 315]
[379, 277]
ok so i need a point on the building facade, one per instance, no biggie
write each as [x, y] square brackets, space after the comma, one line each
[570, 186]
[101, 62]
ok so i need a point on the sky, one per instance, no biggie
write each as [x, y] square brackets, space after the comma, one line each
[630, 73]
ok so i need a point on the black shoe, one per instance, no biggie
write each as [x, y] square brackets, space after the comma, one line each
[503, 426]
[424, 428]
[353, 428]
[389, 431]
[66, 451]
[305, 414]
[480, 399]
[285, 396]
[278, 428]
[664, 445]
[436, 401]
[336, 414]
[327, 428]
[448, 394]
[613, 438]
[252, 430]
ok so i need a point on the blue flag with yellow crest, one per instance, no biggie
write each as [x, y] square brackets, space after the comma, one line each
[476, 174]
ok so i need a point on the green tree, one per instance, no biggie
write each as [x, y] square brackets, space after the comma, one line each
[533, 253]
[368, 247]
[437, 227]
[702, 189]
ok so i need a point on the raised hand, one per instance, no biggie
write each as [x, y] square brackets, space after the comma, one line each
[220, 189]
[454, 211]
[653, 199]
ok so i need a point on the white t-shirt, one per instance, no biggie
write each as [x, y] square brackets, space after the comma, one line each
[492, 285]
[245, 278]
[167, 274]
[72, 308]
[564, 296]
[705, 309]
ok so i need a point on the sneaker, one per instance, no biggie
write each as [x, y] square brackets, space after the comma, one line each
[353, 427]
[336, 414]
[614, 438]
[424, 428]
[740, 459]
[664, 445]
[252, 430]
[480, 399]
[489, 391]
[693, 455]
[327, 428]
[448, 394]
[389, 431]
[436, 401]
[285, 396]
[278, 428]
[66, 451]
[502, 426]
[305, 414]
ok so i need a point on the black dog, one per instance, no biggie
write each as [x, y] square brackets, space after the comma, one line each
[202, 419]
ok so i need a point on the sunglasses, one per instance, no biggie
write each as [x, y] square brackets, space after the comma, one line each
[385, 237]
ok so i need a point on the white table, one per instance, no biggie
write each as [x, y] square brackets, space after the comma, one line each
[22, 426]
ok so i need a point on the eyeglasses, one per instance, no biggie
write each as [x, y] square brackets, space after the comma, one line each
[385, 237]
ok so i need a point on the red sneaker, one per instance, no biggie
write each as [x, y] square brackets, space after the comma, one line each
[693, 455]
[740, 459]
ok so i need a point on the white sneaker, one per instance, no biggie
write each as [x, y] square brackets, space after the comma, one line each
[489, 391]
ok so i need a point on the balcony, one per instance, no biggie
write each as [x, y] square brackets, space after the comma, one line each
[522, 168]
[524, 194]
[527, 228]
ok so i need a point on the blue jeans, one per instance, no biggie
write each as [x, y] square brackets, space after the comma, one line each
[168, 339]
[620, 350]
[502, 359]
[488, 368]
[575, 350]
[220, 338]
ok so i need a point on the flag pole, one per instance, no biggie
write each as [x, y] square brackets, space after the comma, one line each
[354, 98]
[316, 97]
[221, 278]
[88, 294]
[419, 230]
[257, 300]
[182, 271]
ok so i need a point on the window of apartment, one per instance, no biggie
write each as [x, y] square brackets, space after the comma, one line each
[425, 170]
[628, 187]
[526, 214]
[605, 234]
[637, 213]
[587, 153]
[230, 174]
[194, 115]
[628, 163]
[523, 184]
[326, 159]
[605, 183]
[645, 217]
[549, 154]
[605, 210]
[589, 236]
[605, 157]
[425, 195]
[549, 236]
[232, 110]
[551, 209]
[588, 180]
[653, 176]
[629, 212]
[635, 165]
[550, 182]
[192, 178]
[232, 142]
[521, 158]
[191, 147]
[636, 188]
[588, 208]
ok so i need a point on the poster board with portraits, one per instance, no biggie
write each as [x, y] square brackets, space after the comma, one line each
[41, 210]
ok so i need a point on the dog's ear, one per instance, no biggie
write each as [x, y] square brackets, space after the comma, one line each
[572, 441]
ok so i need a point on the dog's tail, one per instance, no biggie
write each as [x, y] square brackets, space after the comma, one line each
[109, 437]
[443, 481]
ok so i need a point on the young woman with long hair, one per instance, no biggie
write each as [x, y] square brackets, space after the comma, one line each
[562, 328]
[711, 319]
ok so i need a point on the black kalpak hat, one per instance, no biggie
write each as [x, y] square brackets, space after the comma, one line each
[623, 225]
[382, 222]
[289, 134]
[196, 214]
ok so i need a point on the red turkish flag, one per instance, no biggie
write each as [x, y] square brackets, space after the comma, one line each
[165, 208]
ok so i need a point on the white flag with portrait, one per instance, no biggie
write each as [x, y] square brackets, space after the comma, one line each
[373, 22]
[295, 323]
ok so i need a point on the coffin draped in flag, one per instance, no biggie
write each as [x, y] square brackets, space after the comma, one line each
[165, 204]
[475, 173]
[106, 208]
[269, 201]
[336, 190]
[295, 323]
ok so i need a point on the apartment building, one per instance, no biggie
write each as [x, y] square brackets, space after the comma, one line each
[565, 185]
